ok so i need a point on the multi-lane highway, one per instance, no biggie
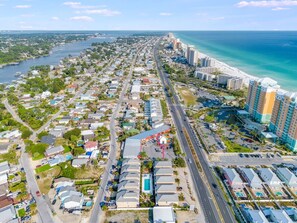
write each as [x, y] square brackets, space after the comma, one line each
[211, 197]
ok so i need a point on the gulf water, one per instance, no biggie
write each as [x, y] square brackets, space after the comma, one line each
[259, 53]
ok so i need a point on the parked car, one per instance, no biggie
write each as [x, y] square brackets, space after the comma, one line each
[38, 193]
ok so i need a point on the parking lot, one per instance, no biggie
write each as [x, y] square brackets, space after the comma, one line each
[154, 151]
[225, 159]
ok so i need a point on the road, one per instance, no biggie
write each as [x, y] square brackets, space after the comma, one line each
[212, 201]
[97, 211]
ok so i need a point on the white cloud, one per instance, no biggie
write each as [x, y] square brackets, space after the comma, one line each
[279, 9]
[104, 12]
[165, 14]
[78, 5]
[82, 18]
[271, 3]
[23, 6]
[55, 18]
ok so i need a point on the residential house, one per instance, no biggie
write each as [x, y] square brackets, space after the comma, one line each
[54, 151]
[91, 146]
[270, 177]
[233, 178]
[287, 176]
[252, 178]
[78, 162]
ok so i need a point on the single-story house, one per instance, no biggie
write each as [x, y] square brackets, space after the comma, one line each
[48, 139]
[164, 215]
[54, 151]
[91, 146]
[78, 162]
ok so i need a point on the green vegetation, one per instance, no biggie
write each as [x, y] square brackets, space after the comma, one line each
[43, 168]
[233, 147]
[67, 170]
[103, 133]
[78, 151]
[84, 182]
[179, 162]
[20, 186]
[164, 108]
[74, 132]
[11, 157]
[36, 150]
[188, 97]
[209, 118]
[8, 123]
[176, 147]
[128, 134]
[21, 212]
[168, 69]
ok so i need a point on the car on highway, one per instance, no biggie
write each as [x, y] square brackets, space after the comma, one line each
[190, 161]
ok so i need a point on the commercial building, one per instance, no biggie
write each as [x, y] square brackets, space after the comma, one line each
[287, 177]
[164, 215]
[284, 118]
[270, 177]
[252, 178]
[132, 145]
[233, 178]
[260, 99]
[206, 62]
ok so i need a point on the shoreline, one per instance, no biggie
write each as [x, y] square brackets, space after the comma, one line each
[224, 67]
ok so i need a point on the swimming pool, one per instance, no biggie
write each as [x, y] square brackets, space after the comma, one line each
[147, 184]
[278, 193]
[239, 194]
[259, 194]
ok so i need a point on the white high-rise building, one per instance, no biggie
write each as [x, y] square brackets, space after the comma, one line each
[192, 56]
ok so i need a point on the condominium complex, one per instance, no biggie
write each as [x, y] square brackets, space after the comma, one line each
[153, 110]
[192, 56]
[234, 83]
[260, 99]
[284, 118]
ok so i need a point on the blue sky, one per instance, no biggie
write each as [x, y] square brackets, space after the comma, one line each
[148, 15]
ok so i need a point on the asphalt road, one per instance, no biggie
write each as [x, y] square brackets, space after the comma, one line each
[203, 189]
[97, 211]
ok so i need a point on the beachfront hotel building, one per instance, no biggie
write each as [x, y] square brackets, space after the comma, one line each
[284, 118]
[260, 99]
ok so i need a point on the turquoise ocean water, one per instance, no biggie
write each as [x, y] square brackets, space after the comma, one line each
[259, 53]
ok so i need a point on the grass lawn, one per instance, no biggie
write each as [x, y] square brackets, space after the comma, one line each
[42, 168]
[21, 212]
[46, 178]
[236, 148]
[11, 157]
[164, 108]
[187, 95]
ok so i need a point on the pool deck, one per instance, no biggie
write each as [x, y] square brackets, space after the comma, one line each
[144, 177]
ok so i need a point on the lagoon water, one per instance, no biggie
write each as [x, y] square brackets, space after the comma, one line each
[7, 73]
[259, 53]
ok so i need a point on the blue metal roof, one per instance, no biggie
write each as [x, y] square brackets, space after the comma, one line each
[155, 131]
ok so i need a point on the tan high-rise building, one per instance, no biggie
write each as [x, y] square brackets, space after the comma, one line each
[260, 99]
[284, 118]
